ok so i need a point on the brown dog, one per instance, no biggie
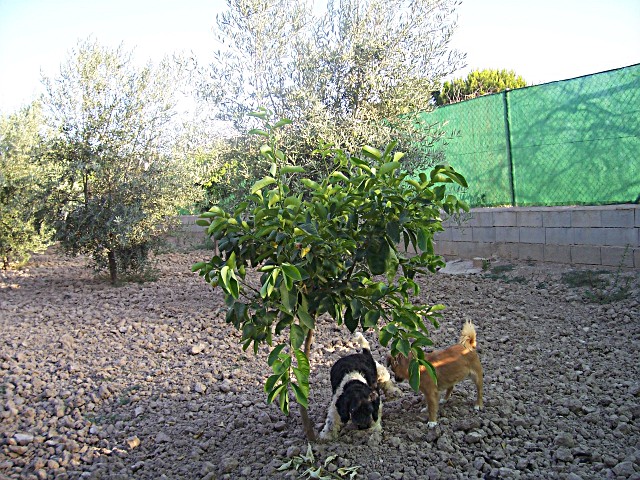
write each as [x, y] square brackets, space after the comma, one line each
[452, 365]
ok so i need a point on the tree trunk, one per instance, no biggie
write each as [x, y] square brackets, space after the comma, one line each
[113, 271]
[304, 414]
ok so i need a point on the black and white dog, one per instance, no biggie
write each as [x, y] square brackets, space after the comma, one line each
[356, 381]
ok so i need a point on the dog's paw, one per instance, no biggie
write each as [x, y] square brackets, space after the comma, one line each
[442, 400]
[477, 407]
[432, 424]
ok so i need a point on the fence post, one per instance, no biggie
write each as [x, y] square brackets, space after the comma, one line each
[507, 134]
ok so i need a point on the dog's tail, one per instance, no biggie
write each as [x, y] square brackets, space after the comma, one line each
[468, 336]
[359, 338]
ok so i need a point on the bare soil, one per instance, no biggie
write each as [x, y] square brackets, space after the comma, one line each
[147, 381]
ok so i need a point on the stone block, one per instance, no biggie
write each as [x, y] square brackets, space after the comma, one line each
[559, 236]
[505, 219]
[531, 235]
[620, 237]
[557, 219]
[586, 218]
[586, 255]
[507, 234]
[507, 250]
[619, 217]
[483, 234]
[461, 234]
[530, 218]
[531, 251]
[557, 253]
[588, 236]
[617, 257]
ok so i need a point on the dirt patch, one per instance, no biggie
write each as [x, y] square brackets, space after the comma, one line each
[147, 381]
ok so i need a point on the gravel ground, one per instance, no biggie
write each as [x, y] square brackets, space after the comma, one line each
[146, 381]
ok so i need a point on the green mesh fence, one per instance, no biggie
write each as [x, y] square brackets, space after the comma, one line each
[572, 142]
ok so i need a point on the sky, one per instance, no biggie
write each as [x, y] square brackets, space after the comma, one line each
[541, 40]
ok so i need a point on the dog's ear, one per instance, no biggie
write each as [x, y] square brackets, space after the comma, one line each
[342, 405]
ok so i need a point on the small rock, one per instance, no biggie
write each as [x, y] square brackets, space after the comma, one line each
[374, 476]
[134, 442]
[624, 469]
[200, 387]
[228, 465]
[162, 438]
[563, 455]
[23, 438]
[564, 440]
[473, 437]
[138, 411]
[292, 451]
[103, 392]
[395, 441]
[280, 426]
[199, 348]
[478, 463]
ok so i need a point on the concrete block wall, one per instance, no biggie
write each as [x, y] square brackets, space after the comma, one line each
[586, 235]
[606, 235]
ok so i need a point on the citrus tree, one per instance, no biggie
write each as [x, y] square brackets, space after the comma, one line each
[349, 247]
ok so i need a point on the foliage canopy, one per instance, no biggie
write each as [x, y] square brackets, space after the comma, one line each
[121, 178]
[357, 73]
[22, 181]
[478, 83]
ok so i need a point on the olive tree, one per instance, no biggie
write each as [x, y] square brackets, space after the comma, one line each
[358, 72]
[349, 247]
[122, 175]
[22, 186]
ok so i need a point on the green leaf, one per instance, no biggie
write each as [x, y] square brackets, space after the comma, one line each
[282, 122]
[275, 392]
[291, 271]
[350, 320]
[378, 255]
[262, 114]
[202, 223]
[301, 395]
[404, 347]
[260, 184]
[273, 356]
[389, 167]
[393, 230]
[371, 318]
[310, 184]
[291, 169]
[414, 375]
[284, 401]
[423, 237]
[339, 175]
[372, 152]
[297, 336]
[271, 382]
[257, 131]
[304, 366]
[385, 336]
[197, 266]
[305, 318]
